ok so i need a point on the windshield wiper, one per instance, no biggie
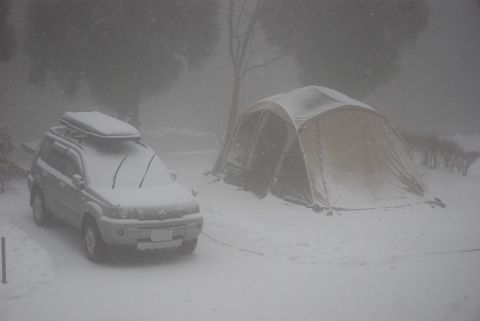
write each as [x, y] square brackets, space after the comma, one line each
[114, 179]
[146, 170]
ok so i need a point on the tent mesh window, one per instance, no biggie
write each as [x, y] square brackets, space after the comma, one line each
[243, 141]
[292, 181]
[240, 149]
[268, 150]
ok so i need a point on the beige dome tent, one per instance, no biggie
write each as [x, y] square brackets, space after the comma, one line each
[321, 148]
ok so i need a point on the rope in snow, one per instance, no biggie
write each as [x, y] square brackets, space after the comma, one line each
[396, 258]
[449, 252]
[232, 246]
[434, 253]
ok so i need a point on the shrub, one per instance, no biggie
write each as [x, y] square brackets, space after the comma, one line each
[435, 152]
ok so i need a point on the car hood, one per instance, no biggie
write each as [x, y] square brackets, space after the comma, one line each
[166, 196]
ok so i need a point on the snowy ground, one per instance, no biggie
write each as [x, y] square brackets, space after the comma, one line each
[29, 266]
[259, 260]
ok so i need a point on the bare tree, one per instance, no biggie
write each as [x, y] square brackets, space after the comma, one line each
[242, 46]
[247, 51]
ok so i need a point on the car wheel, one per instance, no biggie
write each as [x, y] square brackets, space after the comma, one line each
[188, 247]
[41, 216]
[93, 244]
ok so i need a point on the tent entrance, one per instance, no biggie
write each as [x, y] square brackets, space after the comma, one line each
[268, 150]
[255, 152]
[292, 181]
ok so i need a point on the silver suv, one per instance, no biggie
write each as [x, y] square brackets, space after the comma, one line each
[96, 174]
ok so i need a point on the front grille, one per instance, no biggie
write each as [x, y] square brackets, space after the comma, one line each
[165, 214]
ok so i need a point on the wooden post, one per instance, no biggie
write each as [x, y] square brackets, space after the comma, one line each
[4, 262]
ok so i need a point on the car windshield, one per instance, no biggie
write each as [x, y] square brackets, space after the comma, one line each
[103, 159]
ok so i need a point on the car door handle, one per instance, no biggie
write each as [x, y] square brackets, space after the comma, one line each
[61, 184]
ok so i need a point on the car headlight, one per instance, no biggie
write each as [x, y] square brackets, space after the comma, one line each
[121, 212]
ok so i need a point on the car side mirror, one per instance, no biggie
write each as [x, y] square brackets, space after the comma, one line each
[78, 181]
[173, 175]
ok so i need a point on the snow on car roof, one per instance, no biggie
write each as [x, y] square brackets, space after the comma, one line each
[100, 125]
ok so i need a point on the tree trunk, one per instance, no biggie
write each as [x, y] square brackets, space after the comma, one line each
[232, 119]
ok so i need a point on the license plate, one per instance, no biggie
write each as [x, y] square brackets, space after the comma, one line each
[161, 235]
[159, 245]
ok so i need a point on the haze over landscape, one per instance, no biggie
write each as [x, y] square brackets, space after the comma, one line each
[135, 183]
[436, 90]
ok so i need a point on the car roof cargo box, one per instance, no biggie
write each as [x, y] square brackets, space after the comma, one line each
[99, 125]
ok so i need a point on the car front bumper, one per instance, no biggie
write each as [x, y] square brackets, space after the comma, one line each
[131, 232]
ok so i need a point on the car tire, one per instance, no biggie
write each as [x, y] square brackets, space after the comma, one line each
[188, 247]
[93, 245]
[40, 214]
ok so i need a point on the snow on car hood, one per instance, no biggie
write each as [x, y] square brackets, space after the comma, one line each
[164, 196]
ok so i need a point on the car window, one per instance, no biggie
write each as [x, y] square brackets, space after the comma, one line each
[45, 149]
[71, 166]
[56, 159]
[63, 162]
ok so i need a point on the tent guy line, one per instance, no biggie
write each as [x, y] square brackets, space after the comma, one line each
[214, 239]
[398, 258]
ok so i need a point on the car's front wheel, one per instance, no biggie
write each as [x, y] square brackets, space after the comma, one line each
[41, 216]
[93, 244]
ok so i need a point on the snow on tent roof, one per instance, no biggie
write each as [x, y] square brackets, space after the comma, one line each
[100, 125]
[304, 103]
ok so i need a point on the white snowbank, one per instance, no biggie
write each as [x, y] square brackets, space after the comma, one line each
[29, 266]
[172, 131]
[179, 139]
